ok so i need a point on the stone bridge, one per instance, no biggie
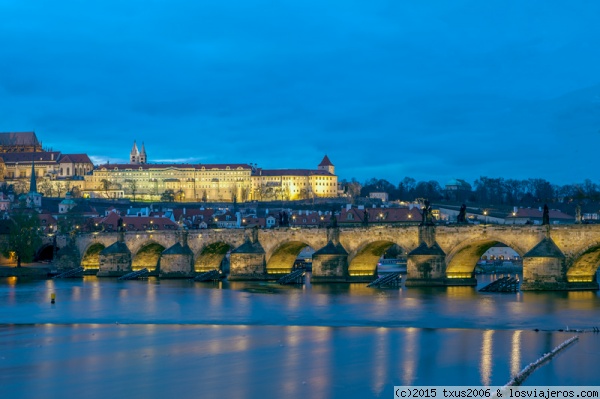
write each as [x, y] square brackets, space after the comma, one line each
[554, 257]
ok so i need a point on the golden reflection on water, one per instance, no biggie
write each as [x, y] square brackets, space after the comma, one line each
[515, 353]
[582, 300]
[360, 290]
[460, 292]
[411, 350]
[487, 357]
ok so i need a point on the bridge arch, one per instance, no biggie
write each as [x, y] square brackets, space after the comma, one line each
[211, 256]
[462, 260]
[148, 256]
[91, 256]
[45, 253]
[284, 256]
[365, 259]
[585, 265]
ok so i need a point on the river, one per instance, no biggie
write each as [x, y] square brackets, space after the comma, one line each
[176, 338]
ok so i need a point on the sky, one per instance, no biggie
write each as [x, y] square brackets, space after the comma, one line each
[433, 90]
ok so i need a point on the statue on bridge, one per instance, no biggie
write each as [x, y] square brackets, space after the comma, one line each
[333, 220]
[284, 220]
[462, 215]
[427, 215]
[120, 227]
[365, 218]
[546, 215]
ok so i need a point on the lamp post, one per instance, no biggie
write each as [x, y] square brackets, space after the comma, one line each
[485, 212]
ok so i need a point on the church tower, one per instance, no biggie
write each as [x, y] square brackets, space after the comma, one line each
[326, 165]
[134, 156]
[143, 158]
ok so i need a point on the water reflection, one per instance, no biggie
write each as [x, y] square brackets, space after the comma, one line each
[411, 349]
[515, 353]
[486, 363]
[380, 360]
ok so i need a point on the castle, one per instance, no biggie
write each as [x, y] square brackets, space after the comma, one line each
[141, 180]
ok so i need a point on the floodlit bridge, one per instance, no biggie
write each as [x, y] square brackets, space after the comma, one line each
[564, 257]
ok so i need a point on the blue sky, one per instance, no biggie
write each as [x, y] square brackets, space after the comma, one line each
[428, 89]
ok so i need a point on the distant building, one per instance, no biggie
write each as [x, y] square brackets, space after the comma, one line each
[500, 251]
[458, 190]
[383, 196]
[535, 216]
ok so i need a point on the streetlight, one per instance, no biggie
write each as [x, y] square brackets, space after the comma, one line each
[485, 212]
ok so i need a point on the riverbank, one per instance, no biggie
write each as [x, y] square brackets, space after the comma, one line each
[31, 272]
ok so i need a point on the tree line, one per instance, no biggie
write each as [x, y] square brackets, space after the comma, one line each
[486, 190]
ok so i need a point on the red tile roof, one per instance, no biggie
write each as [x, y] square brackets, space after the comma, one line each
[137, 223]
[205, 214]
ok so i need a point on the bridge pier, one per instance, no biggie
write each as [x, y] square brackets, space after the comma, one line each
[248, 261]
[68, 256]
[115, 260]
[330, 263]
[426, 264]
[178, 260]
[545, 269]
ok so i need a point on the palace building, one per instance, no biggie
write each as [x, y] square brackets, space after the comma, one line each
[295, 184]
[208, 182]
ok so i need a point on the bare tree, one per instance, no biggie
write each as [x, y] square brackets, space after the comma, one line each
[46, 188]
[105, 184]
[133, 187]
[60, 187]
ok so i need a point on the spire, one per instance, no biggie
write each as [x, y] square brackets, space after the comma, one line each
[33, 182]
[134, 150]
[134, 156]
[325, 161]
[143, 158]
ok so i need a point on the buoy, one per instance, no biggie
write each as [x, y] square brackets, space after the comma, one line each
[52, 298]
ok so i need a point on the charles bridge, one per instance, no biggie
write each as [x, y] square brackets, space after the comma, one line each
[555, 257]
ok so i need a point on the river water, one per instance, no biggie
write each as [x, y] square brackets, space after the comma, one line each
[155, 338]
